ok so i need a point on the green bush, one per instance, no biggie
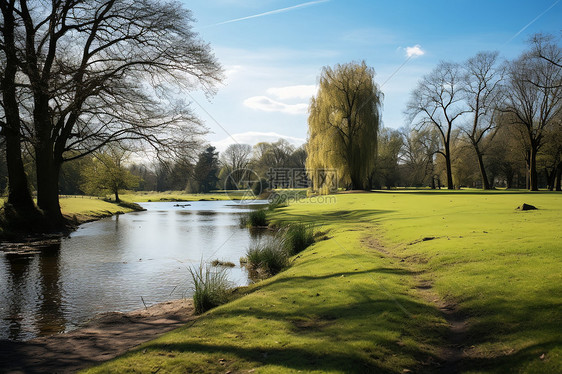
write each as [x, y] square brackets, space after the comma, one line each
[259, 186]
[210, 288]
[268, 255]
[257, 218]
[298, 237]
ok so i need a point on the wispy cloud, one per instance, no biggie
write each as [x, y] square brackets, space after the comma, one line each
[414, 51]
[267, 104]
[293, 92]
[271, 12]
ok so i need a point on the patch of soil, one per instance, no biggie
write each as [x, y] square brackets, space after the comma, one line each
[454, 351]
[103, 338]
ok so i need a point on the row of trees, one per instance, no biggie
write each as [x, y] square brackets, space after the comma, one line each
[79, 75]
[114, 169]
[500, 120]
[477, 99]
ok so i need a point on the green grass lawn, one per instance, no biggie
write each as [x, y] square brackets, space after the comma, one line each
[358, 301]
[85, 208]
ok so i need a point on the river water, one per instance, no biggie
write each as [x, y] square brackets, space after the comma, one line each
[119, 263]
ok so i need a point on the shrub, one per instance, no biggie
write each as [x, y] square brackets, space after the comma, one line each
[259, 186]
[210, 288]
[257, 218]
[268, 255]
[298, 237]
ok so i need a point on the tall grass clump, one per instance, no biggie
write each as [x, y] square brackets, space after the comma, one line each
[210, 287]
[298, 237]
[257, 218]
[268, 256]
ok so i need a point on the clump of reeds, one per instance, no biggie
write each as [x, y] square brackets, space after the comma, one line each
[210, 287]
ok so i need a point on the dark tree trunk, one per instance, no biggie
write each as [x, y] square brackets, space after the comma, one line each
[450, 184]
[48, 170]
[558, 182]
[483, 174]
[533, 175]
[550, 177]
[117, 200]
[19, 196]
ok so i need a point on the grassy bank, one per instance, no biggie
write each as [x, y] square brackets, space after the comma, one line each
[82, 209]
[371, 297]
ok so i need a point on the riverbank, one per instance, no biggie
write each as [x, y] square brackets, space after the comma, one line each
[405, 282]
[77, 210]
[104, 337]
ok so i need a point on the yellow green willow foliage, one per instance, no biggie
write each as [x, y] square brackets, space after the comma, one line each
[343, 123]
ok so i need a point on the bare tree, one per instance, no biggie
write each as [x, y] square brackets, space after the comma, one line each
[234, 161]
[437, 102]
[533, 100]
[482, 89]
[105, 71]
[418, 152]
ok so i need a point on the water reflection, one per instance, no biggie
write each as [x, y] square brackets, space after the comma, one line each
[110, 264]
[50, 317]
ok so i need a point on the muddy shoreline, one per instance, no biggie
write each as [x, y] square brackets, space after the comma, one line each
[100, 339]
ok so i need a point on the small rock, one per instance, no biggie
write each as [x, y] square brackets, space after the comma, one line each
[526, 207]
[542, 356]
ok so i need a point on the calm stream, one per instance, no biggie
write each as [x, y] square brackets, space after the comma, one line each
[108, 265]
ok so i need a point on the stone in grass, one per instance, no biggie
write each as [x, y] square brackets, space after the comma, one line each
[526, 207]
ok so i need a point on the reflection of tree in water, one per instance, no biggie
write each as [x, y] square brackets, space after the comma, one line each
[50, 319]
[18, 267]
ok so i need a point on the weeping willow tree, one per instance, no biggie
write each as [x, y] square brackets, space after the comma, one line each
[343, 122]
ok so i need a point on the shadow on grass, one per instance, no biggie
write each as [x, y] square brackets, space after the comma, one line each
[465, 192]
[329, 217]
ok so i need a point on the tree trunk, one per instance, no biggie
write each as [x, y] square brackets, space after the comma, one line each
[484, 177]
[533, 175]
[450, 185]
[117, 200]
[48, 170]
[558, 183]
[19, 196]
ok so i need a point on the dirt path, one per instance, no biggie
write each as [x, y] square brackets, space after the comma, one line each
[454, 350]
[103, 338]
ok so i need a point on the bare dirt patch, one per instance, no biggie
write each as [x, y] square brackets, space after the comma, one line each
[103, 338]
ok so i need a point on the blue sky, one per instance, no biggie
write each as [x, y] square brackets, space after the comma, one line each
[273, 50]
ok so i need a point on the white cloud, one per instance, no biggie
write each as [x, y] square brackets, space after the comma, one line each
[293, 92]
[267, 104]
[414, 51]
[254, 137]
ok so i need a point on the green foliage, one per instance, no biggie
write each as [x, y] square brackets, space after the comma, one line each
[107, 174]
[268, 256]
[389, 148]
[210, 288]
[343, 124]
[297, 237]
[259, 187]
[205, 173]
[257, 218]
